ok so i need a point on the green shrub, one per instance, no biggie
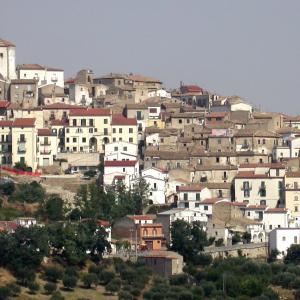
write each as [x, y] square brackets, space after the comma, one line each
[50, 287]
[53, 273]
[284, 279]
[251, 287]
[57, 296]
[124, 295]
[208, 288]
[33, 287]
[4, 293]
[202, 259]
[106, 276]
[14, 289]
[179, 279]
[89, 279]
[69, 282]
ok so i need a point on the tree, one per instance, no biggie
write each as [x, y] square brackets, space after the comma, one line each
[89, 279]
[53, 208]
[28, 192]
[69, 282]
[50, 287]
[4, 293]
[7, 188]
[293, 255]
[252, 287]
[22, 166]
[113, 286]
[33, 287]
[57, 296]
[106, 276]
[53, 273]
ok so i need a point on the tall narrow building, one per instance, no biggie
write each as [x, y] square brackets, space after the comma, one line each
[7, 60]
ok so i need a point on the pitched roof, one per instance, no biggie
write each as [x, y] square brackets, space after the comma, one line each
[4, 123]
[191, 188]
[45, 132]
[24, 81]
[141, 217]
[5, 43]
[120, 163]
[90, 112]
[24, 122]
[210, 200]
[119, 119]
[263, 165]
[275, 210]
[4, 104]
[37, 67]
[60, 105]
[59, 122]
[256, 207]
[191, 89]
[250, 174]
[103, 223]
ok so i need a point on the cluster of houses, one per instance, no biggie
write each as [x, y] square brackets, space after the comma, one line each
[213, 159]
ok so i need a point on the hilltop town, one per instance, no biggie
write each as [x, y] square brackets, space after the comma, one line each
[184, 154]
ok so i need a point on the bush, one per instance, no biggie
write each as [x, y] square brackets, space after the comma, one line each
[89, 279]
[69, 282]
[293, 255]
[284, 279]
[50, 287]
[57, 296]
[4, 293]
[219, 242]
[7, 188]
[180, 279]
[14, 289]
[124, 295]
[202, 259]
[72, 271]
[53, 273]
[106, 276]
[90, 173]
[186, 295]
[113, 286]
[22, 166]
[33, 287]
[208, 288]
[252, 287]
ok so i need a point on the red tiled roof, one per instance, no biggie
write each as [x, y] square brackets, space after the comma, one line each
[45, 132]
[70, 80]
[240, 204]
[141, 217]
[119, 177]
[250, 174]
[263, 165]
[119, 119]
[8, 225]
[256, 207]
[191, 89]
[103, 223]
[90, 112]
[120, 163]
[6, 123]
[24, 122]
[210, 200]
[4, 104]
[62, 106]
[37, 67]
[190, 188]
[275, 210]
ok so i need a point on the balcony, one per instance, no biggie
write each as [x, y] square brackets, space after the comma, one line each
[21, 150]
[45, 151]
[45, 143]
[246, 188]
[21, 141]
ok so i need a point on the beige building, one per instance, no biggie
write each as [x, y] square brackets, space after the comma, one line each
[292, 193]
[124, 129]
[5, 142]
[24, 145]
[46, 147]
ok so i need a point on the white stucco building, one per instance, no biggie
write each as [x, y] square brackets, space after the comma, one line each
[44, 75]
[159, 93]
[7, 60]
[121, 151]
[282, 238]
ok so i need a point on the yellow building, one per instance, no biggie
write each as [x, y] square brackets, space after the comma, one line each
[5, 142]
[88, 130]
[124, 129]
[292, 193]
[24, 145]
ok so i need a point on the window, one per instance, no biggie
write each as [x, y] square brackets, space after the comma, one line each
[91, 122]
[124, 148]
[120, 130]
[74, 122]
[295, 240]
[178, 165]
[83, 122]
[84, 140]
[246, 188]
[283, 239]
[105, 131]
[114, 130]
[123, 169]
[105, 121]
[185, 196]
[139, 115]
[277, 172]
[90, 130]
[205, 207]
[263, 202]
[262, 190]
[249, 214]
[68, 140]
[74, 140]
[270, 226]
[258, 141]
[130, 140]
[115, 148]
[296, 208]
[198, 196]
[180, 121]
[120, 139]
[295, 185]
[264, 141]
[114, 139]
[130, 130]
[154, 185]
[217, 159]
[296, 198]
[220, 193]
[74, 149]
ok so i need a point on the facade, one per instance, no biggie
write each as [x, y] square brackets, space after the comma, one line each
[121, 151]
[292, 193]
[43, 75]
[281, 239]
[47, 147]
[24, 93]
[7, 60]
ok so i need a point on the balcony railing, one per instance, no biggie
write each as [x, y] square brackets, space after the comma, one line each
[45, 143]
[45, 151]
[21, 150]
[20, 141]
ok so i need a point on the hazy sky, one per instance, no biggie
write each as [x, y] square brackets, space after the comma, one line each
[247, 48]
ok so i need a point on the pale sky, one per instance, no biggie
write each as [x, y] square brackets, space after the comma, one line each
[246, 48]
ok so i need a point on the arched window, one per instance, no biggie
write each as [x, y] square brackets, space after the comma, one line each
[145, 232]
[154, 232]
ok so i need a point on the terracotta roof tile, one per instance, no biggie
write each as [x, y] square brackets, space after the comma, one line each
[24, 122]
[141, 217]
[5, 123]
[62, 106]
[4, 104]
[119, 119]
[90, 112]
[120, 163]
[45, 132]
